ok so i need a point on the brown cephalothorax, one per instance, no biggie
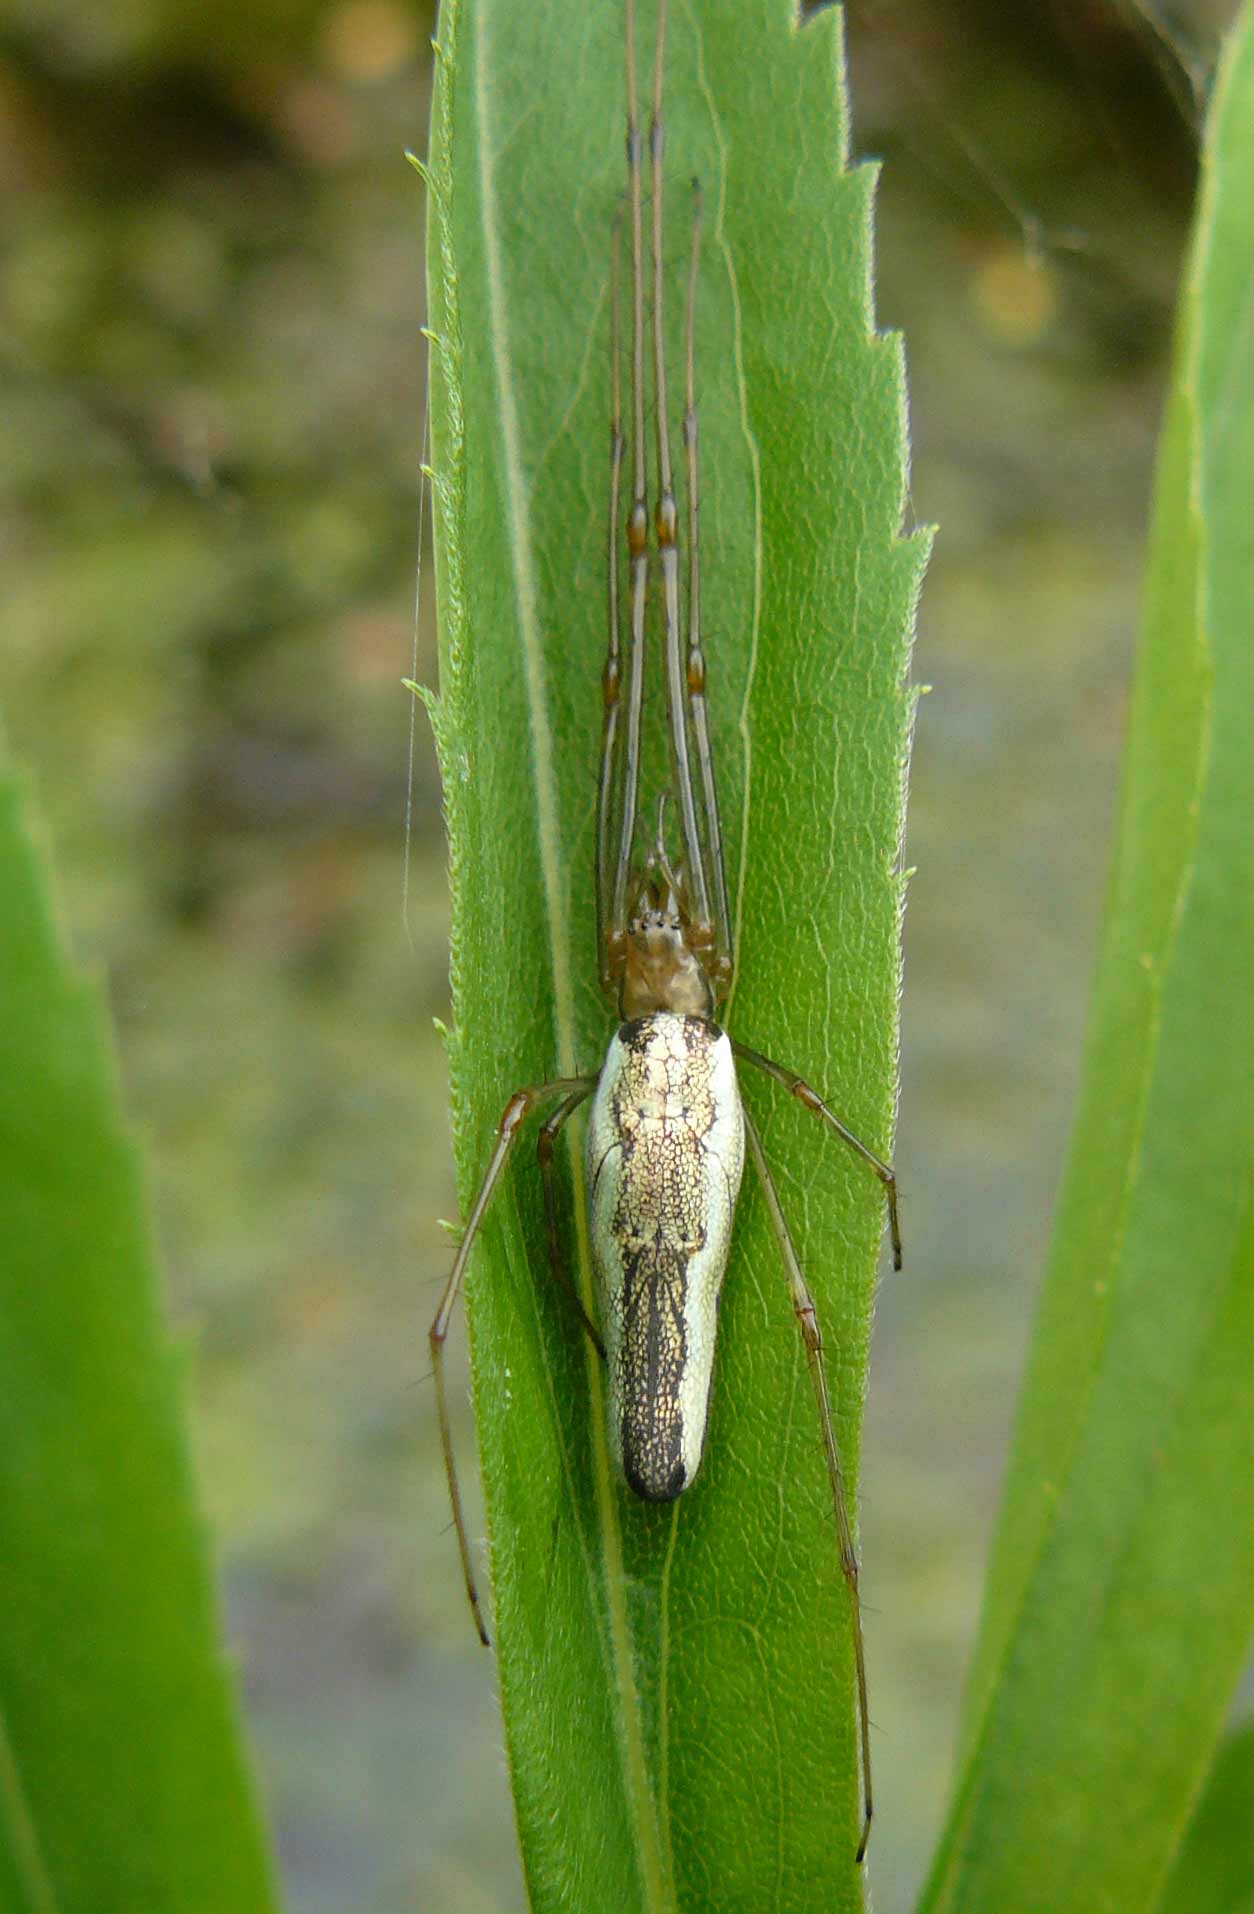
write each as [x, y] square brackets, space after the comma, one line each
[661, 971]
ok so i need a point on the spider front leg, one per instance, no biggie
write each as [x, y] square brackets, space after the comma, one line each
[545, 1144]
[516, 1111]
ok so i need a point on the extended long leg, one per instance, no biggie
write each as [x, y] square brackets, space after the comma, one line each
[812, 1337]
[637, 520]
[720, 963]
[516, 1111]
[609, 952]
[813, 1102]
[666, 523]
[550, 1129]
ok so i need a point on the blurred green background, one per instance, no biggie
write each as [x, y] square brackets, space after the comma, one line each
[210, 301]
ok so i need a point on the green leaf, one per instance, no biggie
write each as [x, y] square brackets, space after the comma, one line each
[1214, 1871]
[1119, 1606]
[676, 1681]
[123, 1785]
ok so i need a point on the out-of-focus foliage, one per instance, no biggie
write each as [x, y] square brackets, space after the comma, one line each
[123, 1782]
[1214, 1871]
[1120, 1600]
[210, 434]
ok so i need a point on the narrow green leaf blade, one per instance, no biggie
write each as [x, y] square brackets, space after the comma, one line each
[123, 1784]
[1121, 1596]
[676, 1682]
[1214, 1871]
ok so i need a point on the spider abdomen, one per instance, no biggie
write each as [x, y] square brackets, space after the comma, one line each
[665, 1153]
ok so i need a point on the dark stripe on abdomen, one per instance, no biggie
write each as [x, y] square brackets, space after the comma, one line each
[650, 1364]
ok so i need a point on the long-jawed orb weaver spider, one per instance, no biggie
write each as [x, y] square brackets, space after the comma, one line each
[668, 1130]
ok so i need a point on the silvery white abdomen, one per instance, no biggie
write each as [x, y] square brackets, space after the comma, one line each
[665, 1151]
